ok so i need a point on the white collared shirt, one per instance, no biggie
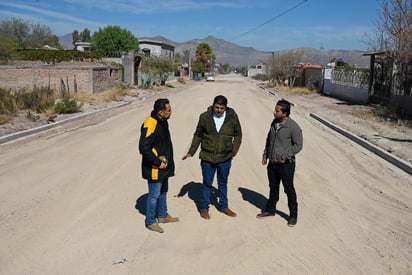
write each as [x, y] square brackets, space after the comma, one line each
[219, 120]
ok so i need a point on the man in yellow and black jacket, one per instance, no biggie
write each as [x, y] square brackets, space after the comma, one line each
[156, 148]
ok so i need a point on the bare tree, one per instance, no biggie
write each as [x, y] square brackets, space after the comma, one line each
[393, 28]
[394, 35]
[15, 28]
[42, 35]
[283, 64]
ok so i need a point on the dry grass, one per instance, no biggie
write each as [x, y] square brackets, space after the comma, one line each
[375, 113]
[291, 90]
[182, 80]
[297, 90]
[364, 113]
[5, 119]
[114, 94]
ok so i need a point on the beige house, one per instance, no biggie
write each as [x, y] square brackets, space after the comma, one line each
[257, 69]
[157, 48]
[131, 61]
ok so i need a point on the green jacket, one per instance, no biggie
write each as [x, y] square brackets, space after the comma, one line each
[216, 146]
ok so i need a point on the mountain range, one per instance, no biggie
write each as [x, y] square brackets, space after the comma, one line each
[235, 55]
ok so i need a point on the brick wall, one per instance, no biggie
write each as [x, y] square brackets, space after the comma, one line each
[106, 77]
[83, 79]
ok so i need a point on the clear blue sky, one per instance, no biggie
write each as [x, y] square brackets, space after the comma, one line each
[266, 25]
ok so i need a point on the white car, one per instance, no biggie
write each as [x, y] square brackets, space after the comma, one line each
[210, 78]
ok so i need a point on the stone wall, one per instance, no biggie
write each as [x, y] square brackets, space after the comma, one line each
[80, 79]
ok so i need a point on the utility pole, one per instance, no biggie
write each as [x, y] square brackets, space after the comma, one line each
[190, 66]
[321, 57]
[273, 67]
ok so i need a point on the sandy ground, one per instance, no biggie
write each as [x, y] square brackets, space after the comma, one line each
[72, 200]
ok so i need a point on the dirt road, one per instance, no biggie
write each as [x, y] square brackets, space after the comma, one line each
[73, 201]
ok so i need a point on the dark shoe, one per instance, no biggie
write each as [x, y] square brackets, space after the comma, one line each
[265, 214]
[204, 214]
[229, 212]
[155, 227]
[167, 219]
[292, 222]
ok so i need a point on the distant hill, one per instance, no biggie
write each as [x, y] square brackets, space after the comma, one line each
[235, 55]
[66, 41]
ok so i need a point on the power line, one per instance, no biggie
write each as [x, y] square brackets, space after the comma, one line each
[267, 22]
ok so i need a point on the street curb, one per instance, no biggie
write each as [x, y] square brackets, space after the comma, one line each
[400, 163]
[32, 131]
[267, 90]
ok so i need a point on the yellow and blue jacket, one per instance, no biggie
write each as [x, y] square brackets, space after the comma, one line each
[155, 141]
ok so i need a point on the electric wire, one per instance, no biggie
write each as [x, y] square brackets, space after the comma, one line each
[272, 19]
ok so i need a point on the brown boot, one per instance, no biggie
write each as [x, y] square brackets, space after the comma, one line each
[229, 212]
[167, 219]
[155, 227]
[204, 214]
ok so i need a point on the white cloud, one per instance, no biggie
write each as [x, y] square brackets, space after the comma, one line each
[51, 14]
[159, 7]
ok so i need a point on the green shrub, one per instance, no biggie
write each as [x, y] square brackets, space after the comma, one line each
[44, 106]
[54, 56]
[7, 102]
[261, 77]
[67, 106]
[384, 112]
[39, 100]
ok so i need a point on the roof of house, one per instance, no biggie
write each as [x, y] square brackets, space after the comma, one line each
[155, 42]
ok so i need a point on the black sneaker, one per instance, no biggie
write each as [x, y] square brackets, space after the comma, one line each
[265, 214]
[292, 222]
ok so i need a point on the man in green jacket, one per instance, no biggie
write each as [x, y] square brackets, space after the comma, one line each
[219, 133]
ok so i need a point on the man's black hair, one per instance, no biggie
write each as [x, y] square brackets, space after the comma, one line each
[160, 104]
[285, 105]
[221, 100]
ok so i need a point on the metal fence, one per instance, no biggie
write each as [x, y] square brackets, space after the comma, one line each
[357, 79]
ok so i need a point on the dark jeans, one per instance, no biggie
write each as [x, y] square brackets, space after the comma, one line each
[282, 172]
[208, 172]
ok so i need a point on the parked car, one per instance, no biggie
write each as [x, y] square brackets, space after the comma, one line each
[210, 78]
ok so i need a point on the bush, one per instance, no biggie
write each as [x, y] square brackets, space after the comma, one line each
[44, 106]
[39, 100]
[116, 94]
[55, 56]
[261, 77]
[7, 103]
[67, 106]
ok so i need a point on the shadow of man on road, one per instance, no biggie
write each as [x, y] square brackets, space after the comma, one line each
[194, 191]
[258, 200]
[141, 204]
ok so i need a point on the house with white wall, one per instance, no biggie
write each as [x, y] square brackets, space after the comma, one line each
[157, 48]
[82, 46]
[257, 69]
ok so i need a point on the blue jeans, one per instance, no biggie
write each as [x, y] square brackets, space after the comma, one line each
[156, 205]
[208, 173]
